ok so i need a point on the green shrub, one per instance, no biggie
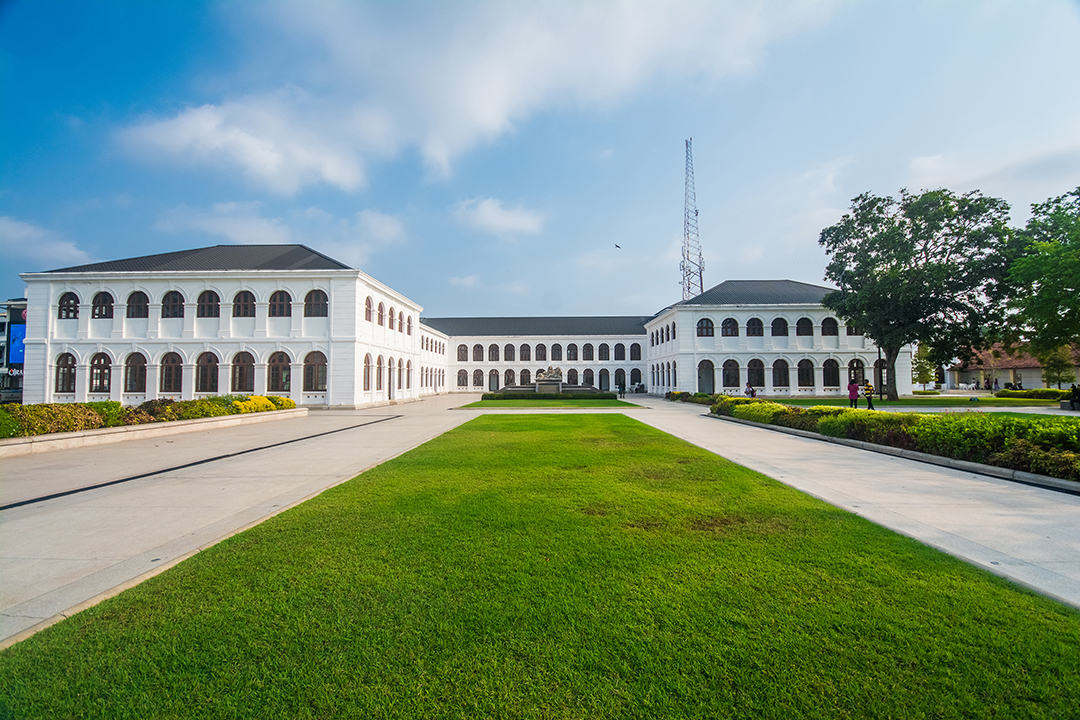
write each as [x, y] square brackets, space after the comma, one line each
[1026, 456]
[255, 403]
[1034, 394]
[725, 404]
[201, 408]
[40, 419]
[111, 412]
[281, 403]
[549, 396]
[9, 426]
[161, 409]
[135, 416]
[761, 412]
[925, 392]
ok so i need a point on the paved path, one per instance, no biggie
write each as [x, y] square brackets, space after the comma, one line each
[61, 555]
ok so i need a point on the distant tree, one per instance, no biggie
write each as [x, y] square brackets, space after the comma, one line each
[1047, 275]
[927, 267]
[922, 369]
[1058, 366]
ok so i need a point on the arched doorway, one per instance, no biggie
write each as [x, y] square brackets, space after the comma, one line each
[493, 380]
[605, 380]
[706, 377]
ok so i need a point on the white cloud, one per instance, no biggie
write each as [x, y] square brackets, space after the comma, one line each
[464, 282]
[489, 214]
[377, 227]
[235, 221]
[448, 78]
[20, 239]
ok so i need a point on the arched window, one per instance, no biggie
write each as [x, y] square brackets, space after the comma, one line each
[401, 322]
[620, 378]
[667, 333]
[172, 305]
[379, 373]
[730, 374]
[100, 373]
[541, 352]
[856, 371]
[780, 375]
[68, 307]
[804, 328]
[209, 305]
[463, 353]
[138, 306]
[316, 304]
[408, 325]
[463, 378]
[478, 353]
[367, 309]
[315, 372]
[674, 374]
[755, 328]
[587, 378]
[478, 378]
[705, 328]
[243, 373]
[135, 373]
[526, 378]
[367, 372]
[172, 373]
[408, 375]
[243, 304]
[508, 355]
[635, 353]
[280, 304]
[779, 327]
[508, 377]
[65, 373]
[806, 373]
[571, 377]
[556, 352]
[830, 374]
[829, 327]
[526, 353]
[279, 371]
[400, 373]
[729, 328]
[620, 351]
[493, 353]
[755, 373]
[652, 339]
[571, 354]
[603, 353]
[382, 314]
[102, 306]
[635, 376]
[390, 318]
[587, 352]
[206, 373]
[605, 380]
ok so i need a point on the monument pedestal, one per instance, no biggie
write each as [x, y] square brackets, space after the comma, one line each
[549, 386]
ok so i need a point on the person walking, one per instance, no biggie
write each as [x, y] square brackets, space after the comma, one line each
[868, 393]
[853, 393]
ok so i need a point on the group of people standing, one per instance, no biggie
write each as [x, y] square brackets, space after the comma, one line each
[867, 390]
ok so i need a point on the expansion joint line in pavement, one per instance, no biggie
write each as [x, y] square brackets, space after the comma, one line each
[204, 461]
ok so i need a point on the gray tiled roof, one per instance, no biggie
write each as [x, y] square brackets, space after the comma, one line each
[219, 257]
[506, 326]
[760, 292]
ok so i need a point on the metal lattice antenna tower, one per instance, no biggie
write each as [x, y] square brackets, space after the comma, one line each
[692, 265]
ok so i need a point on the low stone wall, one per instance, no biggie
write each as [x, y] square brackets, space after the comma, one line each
[13, 447]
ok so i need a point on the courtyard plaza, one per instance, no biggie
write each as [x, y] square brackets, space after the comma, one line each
[192, 490]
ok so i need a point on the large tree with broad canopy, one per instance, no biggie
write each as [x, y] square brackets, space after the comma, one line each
[926, 267]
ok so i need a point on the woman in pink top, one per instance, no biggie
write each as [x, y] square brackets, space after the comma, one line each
[853, 393]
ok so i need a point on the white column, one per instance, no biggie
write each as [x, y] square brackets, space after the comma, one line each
[262, 311]
[153, 380]
[82, 382]
[153, 323]
[819, 379]
[223, 378]
[190, 309]
[225, 321]
[119, 313]
[116, 387]
[296, 383]
[260, 379]
[187, 386]
[84, 322]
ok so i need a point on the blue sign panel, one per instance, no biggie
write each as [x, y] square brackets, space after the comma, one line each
[16, 344]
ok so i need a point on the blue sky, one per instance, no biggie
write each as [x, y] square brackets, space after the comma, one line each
[485, 158]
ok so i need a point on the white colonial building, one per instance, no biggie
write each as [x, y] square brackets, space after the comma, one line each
[287, 320]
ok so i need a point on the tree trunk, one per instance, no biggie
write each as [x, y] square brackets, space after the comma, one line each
[891, 353]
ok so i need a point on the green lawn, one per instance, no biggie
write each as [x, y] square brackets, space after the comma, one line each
[549, 404]
[923, 401]
[552, 567]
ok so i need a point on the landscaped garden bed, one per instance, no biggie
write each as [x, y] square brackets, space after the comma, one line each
[1045, 445]
[558, 566]
[41, 419]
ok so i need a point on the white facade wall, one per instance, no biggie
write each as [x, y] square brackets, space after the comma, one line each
[673, 364]
[434, 349]
[345, 337]
[604, 373]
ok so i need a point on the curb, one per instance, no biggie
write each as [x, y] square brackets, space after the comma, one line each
[1043, 481]
[16, 447]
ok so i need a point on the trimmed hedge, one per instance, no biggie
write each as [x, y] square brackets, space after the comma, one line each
[1034, 394]
[549, 396]
[42, 419]
[1044, 445]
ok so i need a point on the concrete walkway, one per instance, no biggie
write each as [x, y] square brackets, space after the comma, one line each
[64, 554]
